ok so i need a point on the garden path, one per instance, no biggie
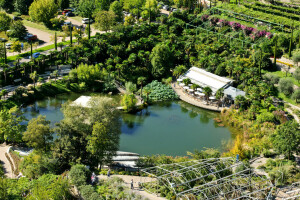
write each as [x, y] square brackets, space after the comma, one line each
[136, 179]
[187, 98]
[6, 165]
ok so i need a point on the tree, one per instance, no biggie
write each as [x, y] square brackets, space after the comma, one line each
[63, 4]
[22, 6]
[220, 94]
[286, 86]
[161, 60]
[296, 95]
[102, 143]
[86, 8]
[207, 91]
[88, 192]
[5, 21]
[11, 128]
[128, 102]
[286, 138]
[76, 142]
[141, 80]
[55, 74]
[79, 175]
[34, 77]
[38, 134]
[7, 5]
[104, 20]
[16, 47]
[117, 9]
[43, 11]
[17, 30]
[179, 70]
[296, 57]
[130, 87]
[296, 74]
[129, 20]
[152, 8]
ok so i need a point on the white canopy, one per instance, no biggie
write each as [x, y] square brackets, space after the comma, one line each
[199, 89]
[186, 87]
[180, 79]
[200, 94]
[212, 98]
[191, 90]
[204, 79]
[181, 84]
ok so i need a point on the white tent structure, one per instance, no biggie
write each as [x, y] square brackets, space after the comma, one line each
[82, 101]
[203, 78]
[232, 92]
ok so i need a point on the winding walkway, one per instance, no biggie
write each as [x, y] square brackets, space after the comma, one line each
[184, 97]
[6, 165]
[136, 179]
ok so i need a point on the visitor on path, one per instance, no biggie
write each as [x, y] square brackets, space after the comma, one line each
[108, 173]
[140, 185]
[131, 184]
[93, 178]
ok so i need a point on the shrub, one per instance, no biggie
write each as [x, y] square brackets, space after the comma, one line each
[296, 95]
[79, 175]
[87, 192]
[159, 92]
[286, 86]
[271, 78]
[265, 117]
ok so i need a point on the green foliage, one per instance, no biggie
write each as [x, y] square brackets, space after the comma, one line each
[296, 95]
[161, 60]
[35, 165]
[38, 134]
[43, 11]
[130, 87]
[79, 175]
[5, 21]
[6, 5]
[271, 78]
[179, 70]
[159, 92]
[10, 123]
[87, 192]
[286, 139]
[117, 9]
[128, 101]
[17, 30]
[104, 20]
[265, 117]
[296, 57]
[204, 154]
[86, 8]
[22, 6]
[286, 86]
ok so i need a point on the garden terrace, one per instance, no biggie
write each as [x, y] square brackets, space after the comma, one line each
[212, 178]
[279, 23]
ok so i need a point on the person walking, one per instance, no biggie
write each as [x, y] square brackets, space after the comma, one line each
[108, 173]
[131, 184]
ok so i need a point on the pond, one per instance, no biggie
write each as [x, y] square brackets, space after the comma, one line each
[170, 128]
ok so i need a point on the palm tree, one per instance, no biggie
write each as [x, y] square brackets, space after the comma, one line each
[239, 101]
[3, 93]
[147, 91]
[34, 76]
[207, 91]
[141, 80]
[220, 95]
[179, 70]
[5, 68]
[55, 74]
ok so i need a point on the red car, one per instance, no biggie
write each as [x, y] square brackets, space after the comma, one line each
[66, 11]
[32, 38]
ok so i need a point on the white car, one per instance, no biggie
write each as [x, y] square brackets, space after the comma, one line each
[86, 20]
[8, 45]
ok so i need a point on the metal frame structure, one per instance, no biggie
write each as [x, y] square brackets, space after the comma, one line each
[214, 178]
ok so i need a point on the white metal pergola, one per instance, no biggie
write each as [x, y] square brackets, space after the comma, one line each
[214, 178]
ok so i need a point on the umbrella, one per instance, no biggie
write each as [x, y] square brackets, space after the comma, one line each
[199, 89]
[186, 87]
[181, 84]
[190, 84]
[200, 94]
[191, 90]
[212, 98]
[180, 79]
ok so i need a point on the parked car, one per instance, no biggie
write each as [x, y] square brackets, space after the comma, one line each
[35, 55]
[30, 37]
[67, 24]
[66, 11]
[174, 10]
[16, 18]
[70, 14]
[166, 7]
[86, 20]
[8, 45]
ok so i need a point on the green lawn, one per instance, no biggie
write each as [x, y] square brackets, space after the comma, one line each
[283, 74]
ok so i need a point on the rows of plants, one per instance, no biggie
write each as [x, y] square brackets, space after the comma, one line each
[272, 11]
[260, 15]
[280, 8]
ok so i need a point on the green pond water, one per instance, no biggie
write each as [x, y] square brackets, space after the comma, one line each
[170, 128]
